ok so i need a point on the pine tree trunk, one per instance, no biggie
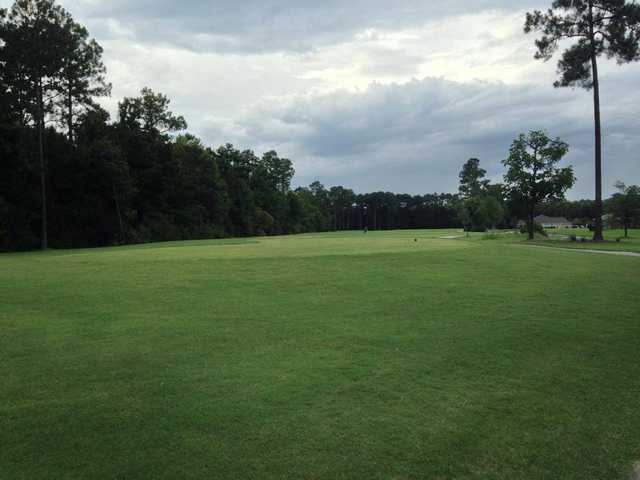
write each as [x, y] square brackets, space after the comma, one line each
[123, 234]
[44, 241]
[597, 236]
[70, 114]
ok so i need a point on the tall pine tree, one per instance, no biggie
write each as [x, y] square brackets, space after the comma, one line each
[598, 27]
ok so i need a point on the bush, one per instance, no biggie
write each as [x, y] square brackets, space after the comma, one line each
[537, 228]
[489, 236]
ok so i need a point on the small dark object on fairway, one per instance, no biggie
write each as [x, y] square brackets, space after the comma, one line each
[618, 240]
[573, 238]
[415, 239]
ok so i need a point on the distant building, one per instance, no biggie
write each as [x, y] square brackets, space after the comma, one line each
[553, 222]
[549, 222]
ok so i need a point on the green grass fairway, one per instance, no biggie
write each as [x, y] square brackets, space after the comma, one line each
[614, 240]
[338, 356]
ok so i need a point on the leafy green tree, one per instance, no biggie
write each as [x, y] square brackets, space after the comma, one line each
[313, 216]
[201, 199]
[150, 112]
[374, 202]
[480, 205]
[102, 169]
[497, 191]
[236, 168]
[341, 200]
[19, 187]
[322, 205]
[533, 175]
[32, 55]
[472, 183]
[466, 210]
[625, 206]
[492, 210]
[269, 193]
[597, 27]
[280, 171]
[480, 213]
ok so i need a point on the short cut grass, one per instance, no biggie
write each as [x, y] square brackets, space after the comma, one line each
[394, 355]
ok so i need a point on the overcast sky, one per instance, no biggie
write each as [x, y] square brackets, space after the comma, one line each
[369, 94]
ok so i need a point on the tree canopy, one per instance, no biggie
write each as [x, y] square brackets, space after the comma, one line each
[624, 206]
[472, 180]
[597, 27]
[533, 175]
[71, 176]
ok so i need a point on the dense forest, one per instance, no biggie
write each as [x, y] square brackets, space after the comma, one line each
[72, 176]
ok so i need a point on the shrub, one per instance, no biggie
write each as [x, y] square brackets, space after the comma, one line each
[489, 236]
[537, 228]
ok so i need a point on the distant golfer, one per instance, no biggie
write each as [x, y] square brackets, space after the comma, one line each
[366, 230]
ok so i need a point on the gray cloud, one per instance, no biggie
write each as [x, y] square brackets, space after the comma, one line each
[267, 25]
[414, 137]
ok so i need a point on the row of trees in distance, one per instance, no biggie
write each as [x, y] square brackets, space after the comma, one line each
[70, 176]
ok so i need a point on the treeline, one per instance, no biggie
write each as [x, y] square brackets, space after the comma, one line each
[129, 181]
[70, 176]
[534, 184]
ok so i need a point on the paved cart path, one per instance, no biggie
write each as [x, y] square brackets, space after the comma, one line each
[585, 250]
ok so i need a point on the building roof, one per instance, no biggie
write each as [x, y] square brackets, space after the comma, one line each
[542, 219]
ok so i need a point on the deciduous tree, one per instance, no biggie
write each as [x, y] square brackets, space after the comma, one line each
[533, 175]
[625, 206]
